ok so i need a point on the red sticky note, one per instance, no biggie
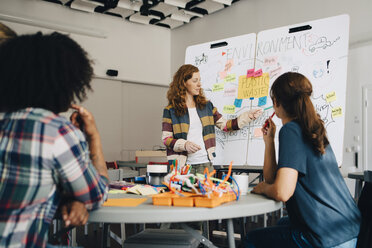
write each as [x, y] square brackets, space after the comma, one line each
[258, 73]
[250, 73]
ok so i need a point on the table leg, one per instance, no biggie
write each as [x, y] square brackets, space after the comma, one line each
[122, 231]
[243, 231]
[358, 189]
[205, 227]
[230, 233]
[105, 235]
[86, 229]
[73, 237]
[54, 226]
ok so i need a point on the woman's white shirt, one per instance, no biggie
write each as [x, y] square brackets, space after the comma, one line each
[195, 135]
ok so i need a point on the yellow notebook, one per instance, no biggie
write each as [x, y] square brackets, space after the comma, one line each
[124, 202]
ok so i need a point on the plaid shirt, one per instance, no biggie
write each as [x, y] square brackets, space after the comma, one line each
[41, 156]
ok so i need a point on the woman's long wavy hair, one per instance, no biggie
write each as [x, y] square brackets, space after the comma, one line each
[176, 94]
[292, 91]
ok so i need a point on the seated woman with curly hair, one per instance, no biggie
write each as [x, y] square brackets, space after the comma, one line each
[42, 154]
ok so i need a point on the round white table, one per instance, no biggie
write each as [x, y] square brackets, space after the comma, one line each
[247, 205]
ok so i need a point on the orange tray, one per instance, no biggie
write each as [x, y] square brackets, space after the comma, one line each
[191, 200]
[164, 199]
[187, 201]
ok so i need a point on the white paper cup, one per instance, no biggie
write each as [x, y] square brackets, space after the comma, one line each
[242, 182]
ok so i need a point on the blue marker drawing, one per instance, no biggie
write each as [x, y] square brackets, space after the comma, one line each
[238, 103]
[262, 101]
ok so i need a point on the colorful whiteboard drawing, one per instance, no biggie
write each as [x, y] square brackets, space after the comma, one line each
[320, 53]
[225, 65]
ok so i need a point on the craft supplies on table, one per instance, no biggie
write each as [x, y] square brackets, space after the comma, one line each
[203, 191]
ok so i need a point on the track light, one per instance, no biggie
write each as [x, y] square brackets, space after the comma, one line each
[53, 26]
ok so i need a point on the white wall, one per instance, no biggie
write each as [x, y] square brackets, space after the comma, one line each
[140, 53]
[128, 116]
[142, 120]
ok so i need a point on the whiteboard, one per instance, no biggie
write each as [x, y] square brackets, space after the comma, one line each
[320, 53]
[318, 49]
[220, 64]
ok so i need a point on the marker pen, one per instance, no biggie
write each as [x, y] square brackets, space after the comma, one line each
[267, 121]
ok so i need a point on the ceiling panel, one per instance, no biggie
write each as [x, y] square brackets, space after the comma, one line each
[122, 12]
[166, 13]
[85, 5]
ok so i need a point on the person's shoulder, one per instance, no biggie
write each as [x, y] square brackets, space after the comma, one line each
[291, 127]
[54, 123]
[35, 115]
[49, 118]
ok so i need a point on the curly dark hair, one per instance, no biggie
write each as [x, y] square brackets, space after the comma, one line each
[177, 90]
[43, 71]
[292, 91]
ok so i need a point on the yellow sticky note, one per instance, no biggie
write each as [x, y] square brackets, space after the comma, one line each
[337, 112]
[230, 78]
[124, 202]
[331, 96]
[218, 87]
[229, 109]
[253, 86]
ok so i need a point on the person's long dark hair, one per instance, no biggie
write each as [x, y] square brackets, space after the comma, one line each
[176, 94]
[43, 71]
[292, 91]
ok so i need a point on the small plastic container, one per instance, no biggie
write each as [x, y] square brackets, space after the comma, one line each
[164, 199]
[186, 201]
[155, 174]
[140, 180]
[206, 202]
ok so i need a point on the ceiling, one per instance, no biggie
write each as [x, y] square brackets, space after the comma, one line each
[166, 13]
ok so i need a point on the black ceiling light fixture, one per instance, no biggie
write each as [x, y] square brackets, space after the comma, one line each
[166, 13]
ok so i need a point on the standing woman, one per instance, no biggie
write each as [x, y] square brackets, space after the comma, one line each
[189, 121]
[321, 211]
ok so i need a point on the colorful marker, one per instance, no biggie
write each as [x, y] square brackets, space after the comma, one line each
[267, 121]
